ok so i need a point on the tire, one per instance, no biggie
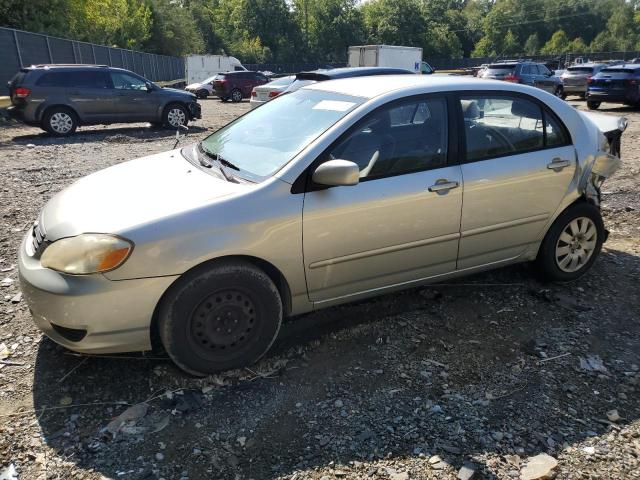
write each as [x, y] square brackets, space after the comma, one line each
[224, 99]
[236, 95]
[202, 94]
[175, 115]
[235, 296]
[60, 121]
[572, 243]
[593, 105]
[559, 92]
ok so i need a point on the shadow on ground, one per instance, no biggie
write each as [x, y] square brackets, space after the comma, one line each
[140, 132]
[474, 370]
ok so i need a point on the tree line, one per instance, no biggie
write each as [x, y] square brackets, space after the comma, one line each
[258, 31]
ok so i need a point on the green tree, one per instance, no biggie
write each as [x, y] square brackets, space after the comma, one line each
[173, 31]
[558, 43]
[532, 44]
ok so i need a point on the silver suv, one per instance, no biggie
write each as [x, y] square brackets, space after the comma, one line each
[59, 98]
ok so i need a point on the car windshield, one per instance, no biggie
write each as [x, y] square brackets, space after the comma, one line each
[267, 138]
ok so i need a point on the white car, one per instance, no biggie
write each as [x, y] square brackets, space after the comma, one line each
[263, 93]
[202, 89]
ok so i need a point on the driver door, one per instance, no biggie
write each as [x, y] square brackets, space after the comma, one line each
[401, 223]
[132, 99]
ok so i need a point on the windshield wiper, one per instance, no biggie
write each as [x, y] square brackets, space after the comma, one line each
[221, 161]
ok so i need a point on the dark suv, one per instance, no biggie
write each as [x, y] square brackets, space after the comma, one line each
[618, 84]
[525, 72]
[237, 85]
[58, 98]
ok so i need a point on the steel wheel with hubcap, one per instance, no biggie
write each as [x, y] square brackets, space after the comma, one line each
[175, 115]
[218, 317]
[572, 243]
[60, 122]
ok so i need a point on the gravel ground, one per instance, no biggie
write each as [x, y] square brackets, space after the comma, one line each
[474, 377]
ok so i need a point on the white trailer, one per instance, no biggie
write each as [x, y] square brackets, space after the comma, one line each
[409, 58]
[201, 67]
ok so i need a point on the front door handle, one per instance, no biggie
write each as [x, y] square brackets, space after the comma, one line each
[557, 164]
[443, 185]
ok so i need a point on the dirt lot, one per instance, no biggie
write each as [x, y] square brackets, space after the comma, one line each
[474, 376]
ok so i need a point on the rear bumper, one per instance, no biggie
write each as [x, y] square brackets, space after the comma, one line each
[253, 103]
[574, 88]
[629, 97]
[90, 313]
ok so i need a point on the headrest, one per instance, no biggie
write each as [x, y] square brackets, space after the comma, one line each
[470, 109]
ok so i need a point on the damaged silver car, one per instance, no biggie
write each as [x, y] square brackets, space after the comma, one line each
[339, 191]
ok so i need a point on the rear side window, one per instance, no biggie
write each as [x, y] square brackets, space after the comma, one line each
[54, 79]
[503, 125]
[86, 79]
[586, 70]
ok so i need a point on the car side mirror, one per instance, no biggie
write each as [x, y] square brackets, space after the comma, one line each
[335, 173]
[150, 87]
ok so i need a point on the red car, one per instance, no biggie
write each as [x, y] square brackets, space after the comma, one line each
[237, 85]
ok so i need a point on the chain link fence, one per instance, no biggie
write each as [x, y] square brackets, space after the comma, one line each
[20, 49]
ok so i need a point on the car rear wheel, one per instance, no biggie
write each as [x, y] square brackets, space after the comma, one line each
[175, 115]
[236, 95]
[221, 317]
[559, 92]
[593, 105]
[572, 243]
[60, 121]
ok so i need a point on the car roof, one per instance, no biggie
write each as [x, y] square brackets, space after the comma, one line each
[373, 86]
[347, 72]
[52, 67]
[626, 66]
[587, 65]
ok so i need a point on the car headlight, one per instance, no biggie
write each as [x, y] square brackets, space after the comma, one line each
[86, 253]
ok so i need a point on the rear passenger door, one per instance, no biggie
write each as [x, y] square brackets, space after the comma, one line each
[544, 79]
[518, 163]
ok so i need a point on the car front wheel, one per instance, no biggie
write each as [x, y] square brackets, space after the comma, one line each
[593, 105]
[60, 121]
[559, 92]
[220, 317]
[572, 243]
[175, 115]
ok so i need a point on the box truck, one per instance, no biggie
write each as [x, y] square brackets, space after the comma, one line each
[409, 58]
[201, 67]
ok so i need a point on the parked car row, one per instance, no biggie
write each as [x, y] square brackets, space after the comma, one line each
[614, 81]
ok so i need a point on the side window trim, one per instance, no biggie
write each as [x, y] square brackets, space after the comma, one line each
[486, 93]
[304, 183]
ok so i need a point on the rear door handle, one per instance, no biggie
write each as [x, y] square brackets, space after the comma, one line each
[557, 164]
[443, 185]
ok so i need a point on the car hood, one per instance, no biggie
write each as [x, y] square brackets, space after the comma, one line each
[194, 86]
[131, 194]
[178, 92]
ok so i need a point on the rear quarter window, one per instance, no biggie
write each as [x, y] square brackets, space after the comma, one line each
[54, 79]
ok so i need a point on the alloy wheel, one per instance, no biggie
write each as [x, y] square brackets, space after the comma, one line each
[61, 122]
[236, 95]
[176, 117]
[576, 244]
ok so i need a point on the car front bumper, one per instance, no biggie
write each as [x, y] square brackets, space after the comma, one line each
[195, 111]
[90, 313]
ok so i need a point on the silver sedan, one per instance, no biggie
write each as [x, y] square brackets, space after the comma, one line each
[339, 191]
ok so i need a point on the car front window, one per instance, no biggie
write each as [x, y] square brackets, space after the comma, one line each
[267, 138]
